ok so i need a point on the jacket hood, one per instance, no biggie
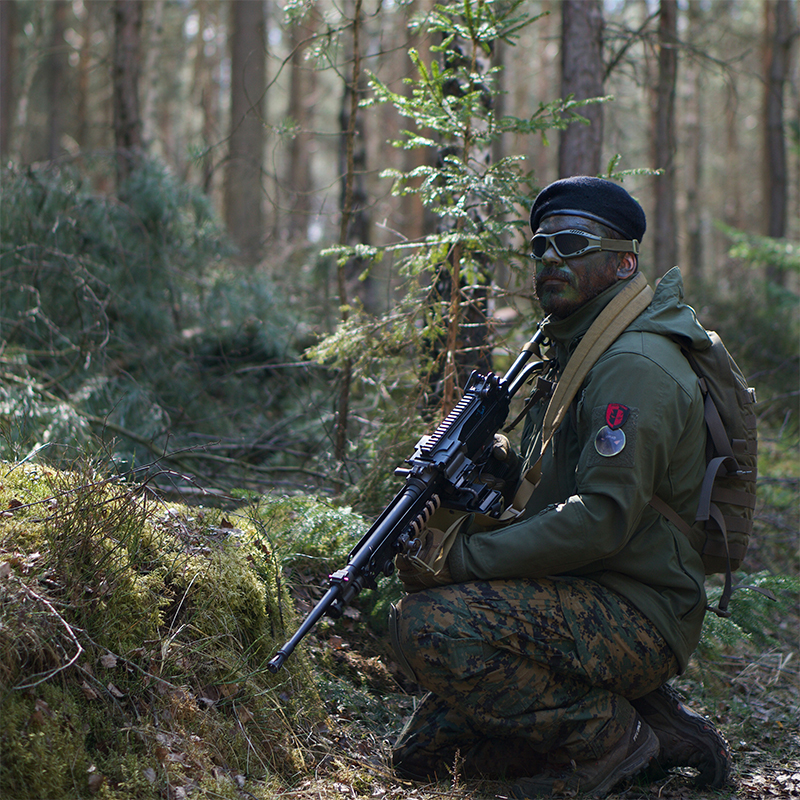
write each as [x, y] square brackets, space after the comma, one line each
[668, 315]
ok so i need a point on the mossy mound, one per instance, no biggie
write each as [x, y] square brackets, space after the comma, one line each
[135, 636]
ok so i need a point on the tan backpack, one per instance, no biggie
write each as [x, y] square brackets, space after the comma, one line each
[724, 520]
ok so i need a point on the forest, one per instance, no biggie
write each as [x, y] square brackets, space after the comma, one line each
[251, 252]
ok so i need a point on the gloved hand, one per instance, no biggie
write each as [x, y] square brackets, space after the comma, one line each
[427, 567]
[500, 470]
[502, 450]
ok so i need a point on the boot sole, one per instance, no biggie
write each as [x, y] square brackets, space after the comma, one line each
[715, 759]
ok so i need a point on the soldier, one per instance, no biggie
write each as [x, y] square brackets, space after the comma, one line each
[546, 644]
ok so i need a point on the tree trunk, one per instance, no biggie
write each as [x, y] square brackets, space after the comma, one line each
[152, 80]
[732, 210]
[126, 66]
[8, 29]
[664, 141]
[580, 148]
[206, 96]
[20, 144]
[779, 29]
[467, 344]
[695, 155]
[298, 178]
[545, 73]
[84, 70]
[57, 67]
[354, 198]
[416, 221]
[244, 196]
[349, 212]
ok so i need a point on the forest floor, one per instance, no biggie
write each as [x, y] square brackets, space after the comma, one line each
[188, 710]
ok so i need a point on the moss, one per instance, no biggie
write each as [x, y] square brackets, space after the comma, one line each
[43, 754]
[134, 639]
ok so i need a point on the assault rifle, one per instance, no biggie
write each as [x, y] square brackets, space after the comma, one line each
[444, 471]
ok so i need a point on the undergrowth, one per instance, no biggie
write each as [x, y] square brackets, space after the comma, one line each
[134, 640]
[128, 332]
[135, 636]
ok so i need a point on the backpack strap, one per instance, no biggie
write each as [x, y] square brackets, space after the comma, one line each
[683, 526]
[716, 428]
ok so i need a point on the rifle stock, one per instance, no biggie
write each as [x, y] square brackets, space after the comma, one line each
[443, 470]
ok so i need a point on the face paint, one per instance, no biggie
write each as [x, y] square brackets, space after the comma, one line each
[563, 285]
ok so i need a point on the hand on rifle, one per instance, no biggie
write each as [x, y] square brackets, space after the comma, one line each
[502, 467]
[427, 566]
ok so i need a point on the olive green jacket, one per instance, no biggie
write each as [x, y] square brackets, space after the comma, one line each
[590, 516]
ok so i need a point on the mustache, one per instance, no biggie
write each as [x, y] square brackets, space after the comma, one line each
[551, 273]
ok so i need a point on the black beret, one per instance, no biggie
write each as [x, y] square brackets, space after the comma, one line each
[593, 198]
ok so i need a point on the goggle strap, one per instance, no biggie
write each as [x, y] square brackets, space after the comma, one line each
[620, 245]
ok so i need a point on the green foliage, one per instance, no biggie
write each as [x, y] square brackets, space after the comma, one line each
[92, 278]
[122, 615]
[755, 617]
[38, 742]
[764, 251]
[124, 320]
[312, 538]
[451, 109]
[415, 356]
[312, 531]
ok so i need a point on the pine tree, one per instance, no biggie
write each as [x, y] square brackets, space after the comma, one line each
[481, 206]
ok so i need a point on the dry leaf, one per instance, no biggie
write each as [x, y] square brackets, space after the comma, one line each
[88, 692]
[109, 660]
[40, 705]
[116, 692]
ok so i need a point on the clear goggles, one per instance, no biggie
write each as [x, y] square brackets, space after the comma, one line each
[571, 243]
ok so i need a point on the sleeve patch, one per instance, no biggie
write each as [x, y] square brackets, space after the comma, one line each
[613, 436]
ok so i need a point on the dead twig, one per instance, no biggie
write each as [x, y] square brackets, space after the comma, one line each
[45, 676]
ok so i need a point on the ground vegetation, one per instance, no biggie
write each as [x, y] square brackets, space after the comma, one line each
[135, 635]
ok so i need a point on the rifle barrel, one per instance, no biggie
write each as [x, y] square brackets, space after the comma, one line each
[276, 662]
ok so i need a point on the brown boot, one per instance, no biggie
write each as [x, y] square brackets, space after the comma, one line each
[629, 756]
[686, 738]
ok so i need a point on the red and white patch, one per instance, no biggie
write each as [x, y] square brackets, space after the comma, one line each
[616, 415]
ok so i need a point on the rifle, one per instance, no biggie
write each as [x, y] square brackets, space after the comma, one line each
[443, 470]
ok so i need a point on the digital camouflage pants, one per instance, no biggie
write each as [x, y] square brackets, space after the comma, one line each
[521, 673]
